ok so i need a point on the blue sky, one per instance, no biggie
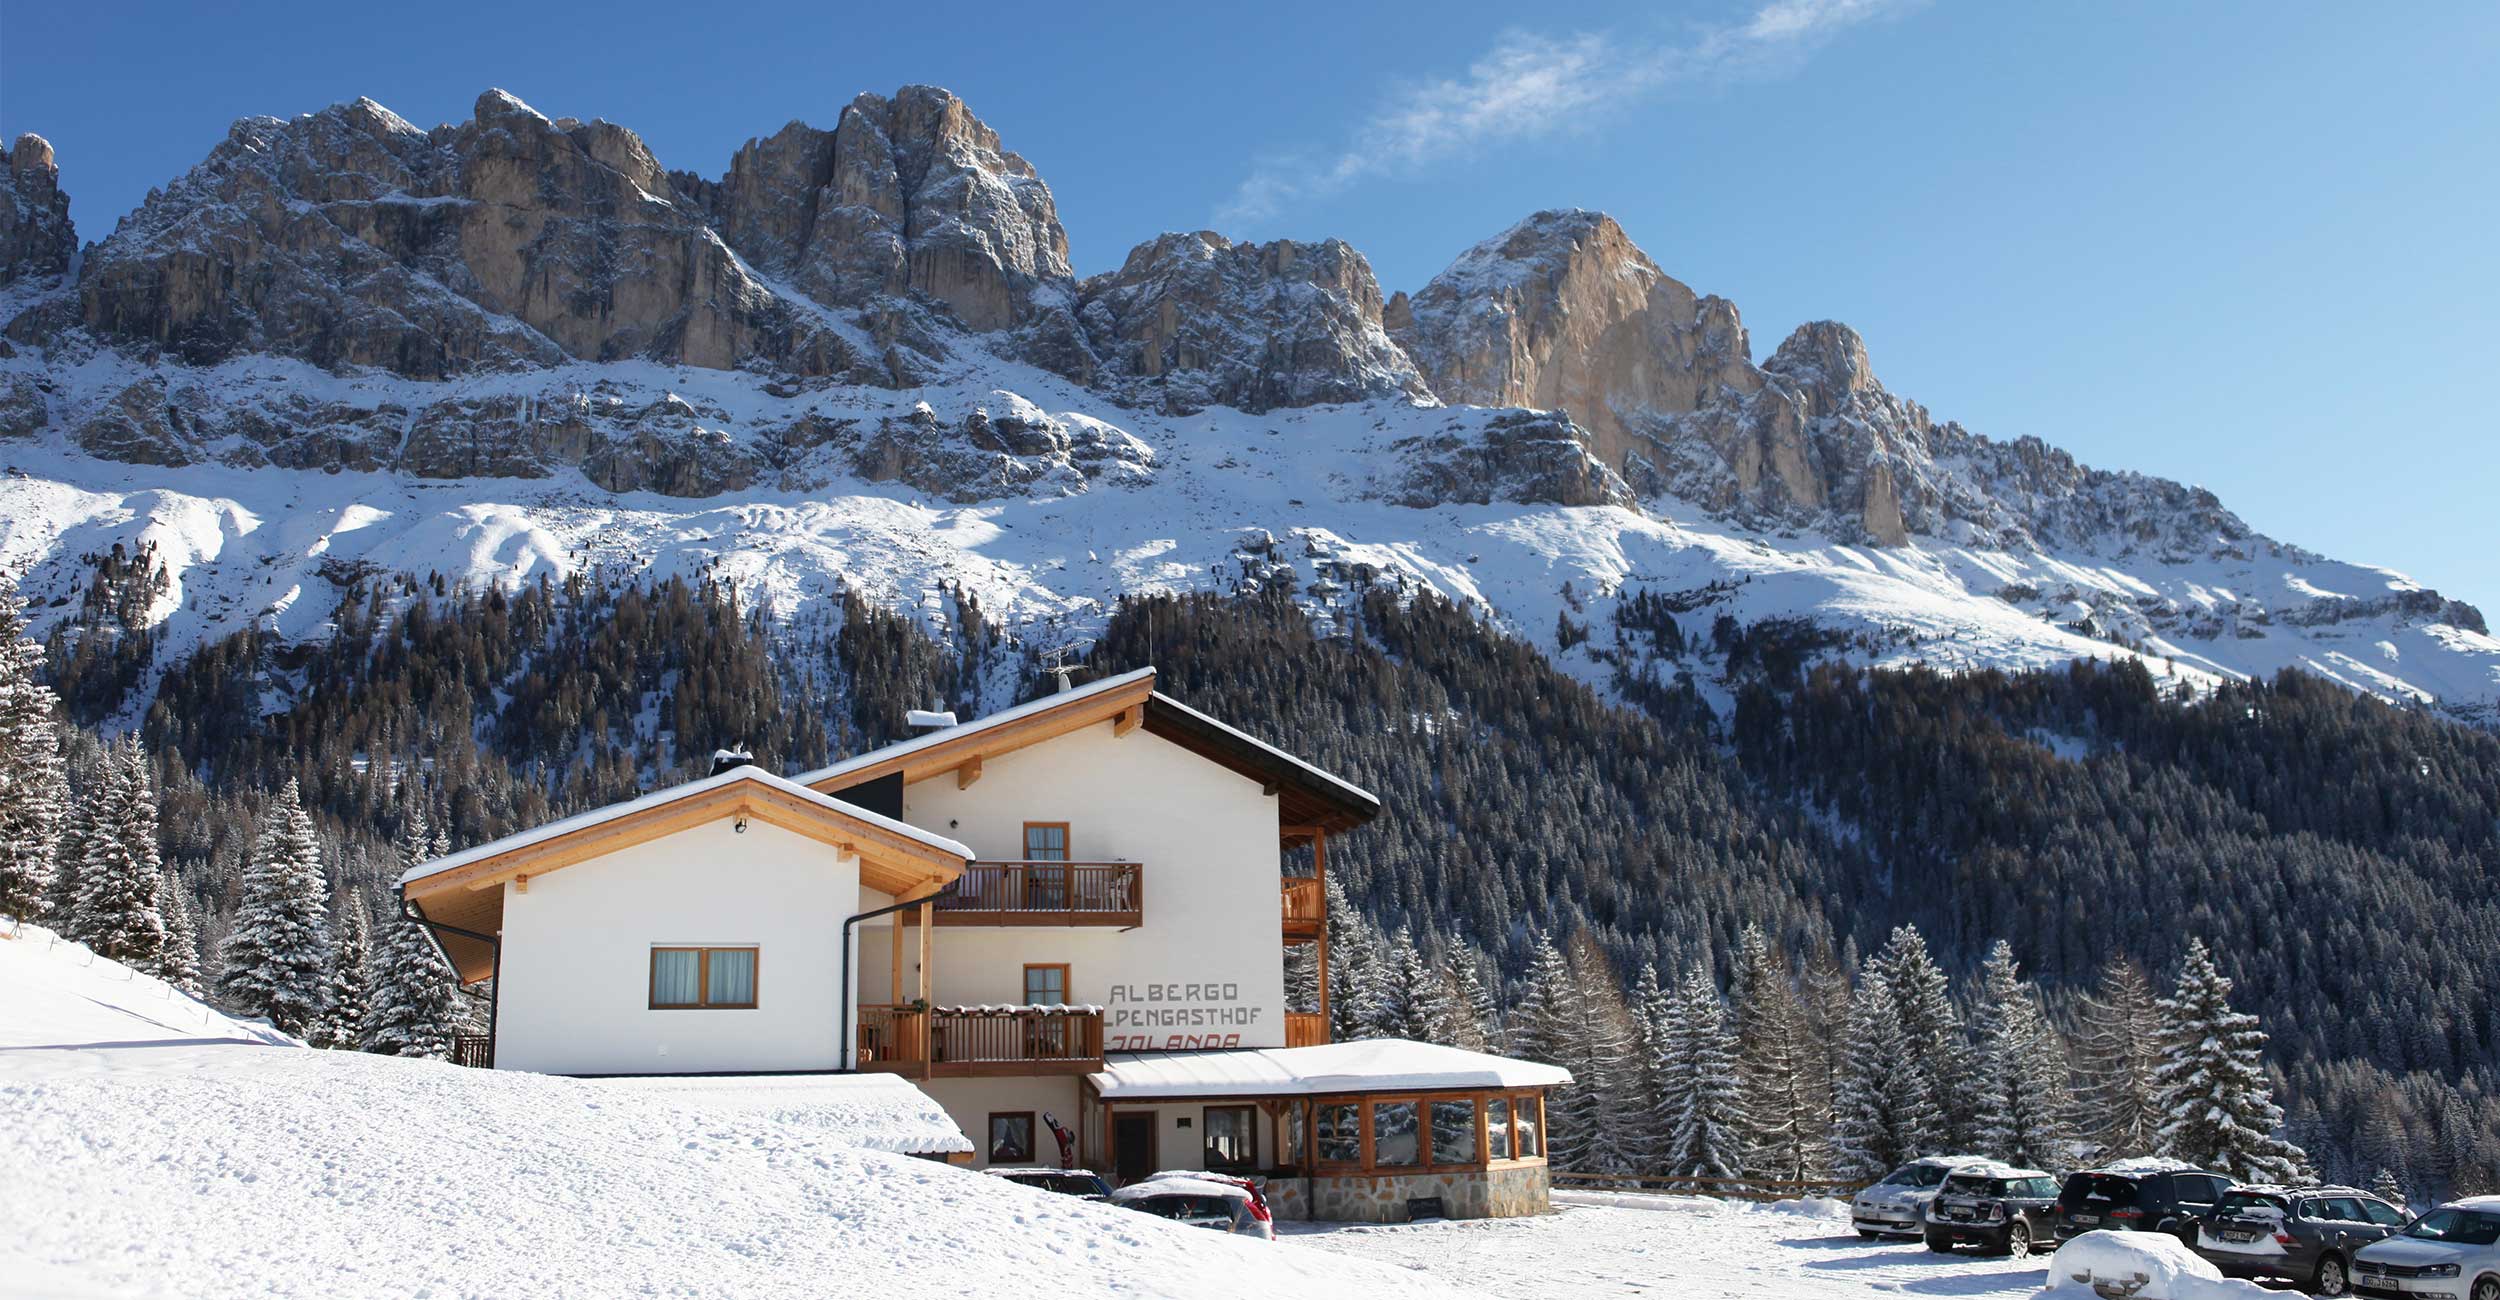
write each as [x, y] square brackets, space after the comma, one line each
[2244, 245]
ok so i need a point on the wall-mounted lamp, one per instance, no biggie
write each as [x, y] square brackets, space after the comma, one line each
[740, 826]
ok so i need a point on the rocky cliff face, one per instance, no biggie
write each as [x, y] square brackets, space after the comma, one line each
[35, 234]
[1195, 320]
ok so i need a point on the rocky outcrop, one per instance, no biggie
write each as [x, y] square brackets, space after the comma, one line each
[1532, 457]
[1562, 312]
[906, 195]
[351, 238]
[36, 238]
[1195, 320]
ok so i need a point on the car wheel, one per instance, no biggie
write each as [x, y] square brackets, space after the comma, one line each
[1869, 1236]
[1939, 1244]
[2487, 1289]
[2331, 1279]
[2018, 1239]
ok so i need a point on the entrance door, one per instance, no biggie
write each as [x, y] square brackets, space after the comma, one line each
[1133, 1141]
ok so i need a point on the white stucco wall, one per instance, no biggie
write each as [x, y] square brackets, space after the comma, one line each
[970, 1102]
[1208, 840]
[577, 955]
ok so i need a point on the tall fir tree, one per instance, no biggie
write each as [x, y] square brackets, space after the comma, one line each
[1931, 1030]
[1883, 1107]
[413, 1001]
[179, 963]
[1653, 1022]
[1618, 1105]
[2217, 1107]
[1470, 1003]
[1354, 969]
[1549, 1025]
[1789, 1119]
[1701, 1096]
[34, 788]
[116, 911]
[343, 1024]
[2118, 1047]
[2024, 1098]
[2386, 1186]
[1407, 1004]
[277, 957]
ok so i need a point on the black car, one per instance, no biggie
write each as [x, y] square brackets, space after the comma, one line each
[2139, 1196]
[1996, 1207]
[1067, 1182]
[2299, 1234]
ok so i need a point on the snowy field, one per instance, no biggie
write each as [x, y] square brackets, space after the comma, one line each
[1685, 1248]
[156, 1148]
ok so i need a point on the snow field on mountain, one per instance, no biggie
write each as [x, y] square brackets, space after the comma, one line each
[158, 1148]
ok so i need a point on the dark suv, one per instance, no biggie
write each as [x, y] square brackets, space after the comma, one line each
[2139, 1196]
[1996, 1207]
[2300, 1234]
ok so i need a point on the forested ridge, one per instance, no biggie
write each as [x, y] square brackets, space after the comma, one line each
[2337, 855]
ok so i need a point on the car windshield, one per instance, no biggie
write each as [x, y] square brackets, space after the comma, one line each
[1974, 1185]
[2250, 1203]
[2457, 1227]
[1917, 1176]
[2099, 1187]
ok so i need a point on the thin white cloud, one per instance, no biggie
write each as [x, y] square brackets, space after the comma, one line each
[1529, 86]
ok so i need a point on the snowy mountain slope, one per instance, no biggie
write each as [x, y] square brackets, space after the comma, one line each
[869, 395]
[157, 1148]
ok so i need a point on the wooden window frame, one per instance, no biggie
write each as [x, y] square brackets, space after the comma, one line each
[1250, 1162]
[1067, 841]
[1067, 981]
[703, 978]
[1530, 1103]
[1032, 1136]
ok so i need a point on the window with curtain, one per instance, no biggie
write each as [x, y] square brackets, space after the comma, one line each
[1231, 1137]
[703, 978]
[1011, 1137]
[1046, 985]
[1396, 1138]
[1045, 887]
[1454, 1132]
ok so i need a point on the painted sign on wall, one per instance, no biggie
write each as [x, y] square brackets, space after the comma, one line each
[1178, 1016]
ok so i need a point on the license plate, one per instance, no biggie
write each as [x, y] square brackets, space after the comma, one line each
[2087, 1218]
[2239, 1236]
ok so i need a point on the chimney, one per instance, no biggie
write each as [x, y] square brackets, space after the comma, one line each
[725, 759]
[932, 718]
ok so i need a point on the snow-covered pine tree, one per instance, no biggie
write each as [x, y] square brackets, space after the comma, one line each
[1354, 969]
[1883, 1107]
[414, 1003]
[1411, 994]
[1470, 1005]
[34, 789]
[2389, 1188]
[90, 770]
[2118, 1043]
[1548, 1025]
[343, 1025]
[1653, 1027]
[1931, 1029]
[116, 911]
[179, 962]
[1702, 1098]
[1620, 1105]
[2019, 1070]
[1788, 1114]
[2217, 1107]
[277, 957]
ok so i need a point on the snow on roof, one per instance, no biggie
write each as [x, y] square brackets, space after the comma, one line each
[881, 1112]
[1369, 1065]
[2484, 1204]
[1996, 1169]
[2139, 1166]
[596, 816]
[1025, 710]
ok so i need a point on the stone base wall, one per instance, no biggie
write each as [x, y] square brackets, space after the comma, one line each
[1382, 1198]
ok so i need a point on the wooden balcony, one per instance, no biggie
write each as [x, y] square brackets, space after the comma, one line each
[1306, 908]
[965, 1043]
[1305, 1029]
[1046, 893]
[477, 1051]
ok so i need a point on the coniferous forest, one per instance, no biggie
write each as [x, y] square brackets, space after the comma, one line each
[1858, 916]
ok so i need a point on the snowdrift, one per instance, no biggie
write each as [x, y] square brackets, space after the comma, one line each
[156, 1146]
[2142, 1265]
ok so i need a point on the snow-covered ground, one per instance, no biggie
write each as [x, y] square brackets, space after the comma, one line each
[248, 546]
[154, 1147]
[1686, 1248]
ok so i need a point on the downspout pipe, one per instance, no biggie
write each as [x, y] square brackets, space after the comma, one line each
[494, 942]
[842, 1056]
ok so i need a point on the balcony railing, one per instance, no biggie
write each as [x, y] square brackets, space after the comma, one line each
[1306, 907]
[1046, 893]
[965, 1042]
[476, 1051]
[1305, 1029]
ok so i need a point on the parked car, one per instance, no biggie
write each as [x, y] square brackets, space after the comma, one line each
[1067, 1182]
[1207, 1200]
[2145, 1195]
[1999, 1207]
[2298, 1234]
[1897, 1205]
[2451, 1251]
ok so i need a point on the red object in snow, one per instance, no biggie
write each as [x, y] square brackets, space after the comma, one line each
[1067, 1140]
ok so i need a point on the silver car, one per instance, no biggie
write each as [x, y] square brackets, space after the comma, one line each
[2451, 1253]
[1897, 1206]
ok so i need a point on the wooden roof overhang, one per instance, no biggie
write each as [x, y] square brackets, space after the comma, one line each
[470, 896]
[1307, 797]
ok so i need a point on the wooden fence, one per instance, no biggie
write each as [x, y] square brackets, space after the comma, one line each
[1732, 1189]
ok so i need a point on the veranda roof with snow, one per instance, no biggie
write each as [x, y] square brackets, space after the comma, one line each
[1370, 1065]
[464, 889]
[881, 1112]
[1307, 795]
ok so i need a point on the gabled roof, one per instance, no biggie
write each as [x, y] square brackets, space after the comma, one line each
[1308, 796]
[1366, 1065]
[464, 889]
